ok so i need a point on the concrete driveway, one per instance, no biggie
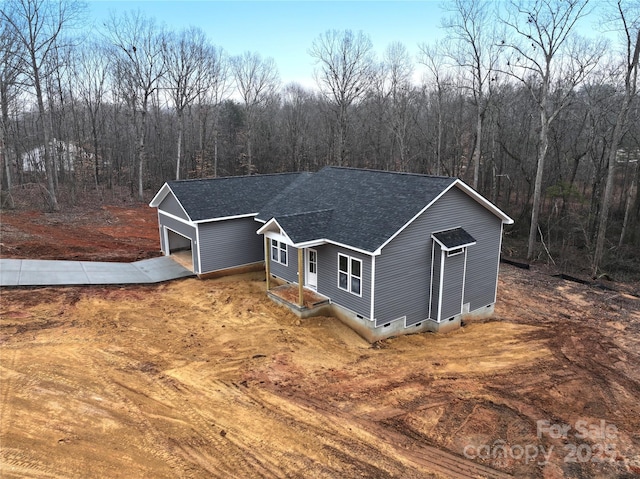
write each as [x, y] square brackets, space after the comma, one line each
[34, 272]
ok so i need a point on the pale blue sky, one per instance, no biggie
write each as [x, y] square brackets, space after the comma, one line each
[285, 30]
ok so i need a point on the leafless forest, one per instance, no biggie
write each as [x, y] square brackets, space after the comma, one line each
[541, 120]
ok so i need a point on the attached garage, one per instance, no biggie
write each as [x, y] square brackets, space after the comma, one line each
[210, 222]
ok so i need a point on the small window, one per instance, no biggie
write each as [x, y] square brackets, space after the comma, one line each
[455, 252]
[350, 274]
[279, 252]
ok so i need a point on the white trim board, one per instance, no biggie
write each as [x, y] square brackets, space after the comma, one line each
[161, 195]
[177, 218]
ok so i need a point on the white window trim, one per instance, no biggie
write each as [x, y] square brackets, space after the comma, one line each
[279, 246]
[455, 251]
[350, 275]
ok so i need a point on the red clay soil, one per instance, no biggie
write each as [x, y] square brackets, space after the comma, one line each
[107, 233]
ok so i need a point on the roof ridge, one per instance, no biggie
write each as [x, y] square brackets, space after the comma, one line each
[306, 213]
[375, 170]
[260, 175]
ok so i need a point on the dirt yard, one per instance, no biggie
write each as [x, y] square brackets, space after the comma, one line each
[109, 233]
[211, 379]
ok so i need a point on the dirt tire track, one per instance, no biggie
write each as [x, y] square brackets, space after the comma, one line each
[19, 463]
[431, 458]
[155, 442]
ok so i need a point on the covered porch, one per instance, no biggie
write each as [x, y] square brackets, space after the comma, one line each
[301, 298]
[312, 304]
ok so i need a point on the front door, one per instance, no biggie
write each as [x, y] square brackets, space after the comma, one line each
[312, 269]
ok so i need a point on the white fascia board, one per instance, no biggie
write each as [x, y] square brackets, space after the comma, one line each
[264, 230]
[353, 248]
[483, 201]
[224, 218]
[444, 248]
[318, 242]
[310, 244]
[280, 235]
[160, 195]
[177, 218]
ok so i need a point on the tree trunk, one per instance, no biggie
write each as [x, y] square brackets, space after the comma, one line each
[4, 150]
[141, 150]
[627, 211]
[537, 190]
[48, 161]
[618, 131]
[180, 131]
[608, 188]
[476, 149]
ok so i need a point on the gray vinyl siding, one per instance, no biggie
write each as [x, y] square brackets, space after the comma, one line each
[183, 229]
[290, 272]
[452, 286]
[170, 205]
[328, 279]
[229, 243]
[403, 269]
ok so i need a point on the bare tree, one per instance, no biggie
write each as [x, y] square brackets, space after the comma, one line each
[10, 67]
[431, 57]
[297, 117]
[256, 79]
[397, 72]
[345, 63]
[189, 63]
[139, 59]
[542, 31]
[216, 87]
[473, 48]
[91, 72]
[38, 25]
[628, 19]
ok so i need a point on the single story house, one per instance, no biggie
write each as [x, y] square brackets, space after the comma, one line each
[391, 253]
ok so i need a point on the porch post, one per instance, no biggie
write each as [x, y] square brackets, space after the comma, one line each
[267, 262]
[300, 278]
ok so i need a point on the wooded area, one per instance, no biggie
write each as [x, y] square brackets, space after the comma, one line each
[542, 121]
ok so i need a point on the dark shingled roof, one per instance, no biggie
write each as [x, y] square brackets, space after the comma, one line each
[230, 196]
[454, 238]
[354, 207]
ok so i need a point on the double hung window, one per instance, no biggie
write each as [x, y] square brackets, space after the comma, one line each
[350, 274]
[279, 252]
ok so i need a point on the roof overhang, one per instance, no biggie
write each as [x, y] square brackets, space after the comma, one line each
[272, 229]
[162, 194]
[225, 218]
[482, 200]
[453, 239]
